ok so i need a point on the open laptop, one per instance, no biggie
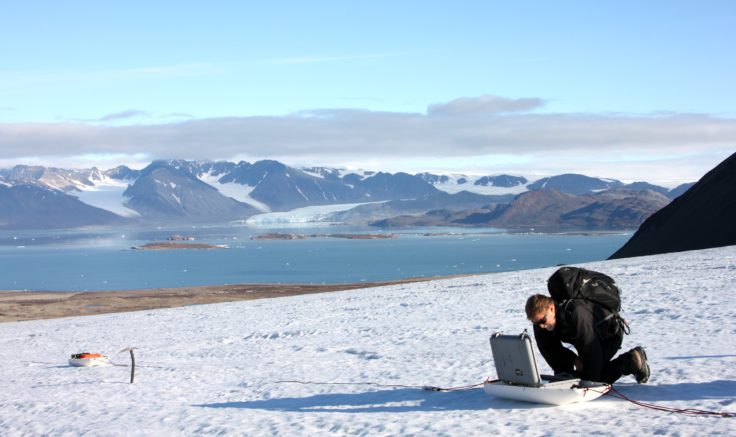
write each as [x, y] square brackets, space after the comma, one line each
[513, 357]
[519, 378]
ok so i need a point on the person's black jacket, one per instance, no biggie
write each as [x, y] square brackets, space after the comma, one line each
[584, 325]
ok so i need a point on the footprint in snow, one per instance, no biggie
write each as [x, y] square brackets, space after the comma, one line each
[363, 354]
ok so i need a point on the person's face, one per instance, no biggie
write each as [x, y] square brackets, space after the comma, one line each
[545, 319]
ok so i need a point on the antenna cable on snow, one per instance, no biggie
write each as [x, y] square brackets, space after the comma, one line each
[687, 411]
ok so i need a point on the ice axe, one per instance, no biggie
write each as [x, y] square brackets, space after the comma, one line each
[132, 361]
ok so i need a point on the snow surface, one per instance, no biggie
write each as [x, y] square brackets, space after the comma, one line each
[452, 186]
[107, 193]
[239, 192]
[214, 369]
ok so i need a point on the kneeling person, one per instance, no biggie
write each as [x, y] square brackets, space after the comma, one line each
[595, 336]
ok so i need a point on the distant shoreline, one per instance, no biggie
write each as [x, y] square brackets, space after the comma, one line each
[291, 236]
[167, 245]
[16, 306]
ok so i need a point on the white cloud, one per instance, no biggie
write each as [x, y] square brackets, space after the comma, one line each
[464, 130]
[484, 104]
[123, 115]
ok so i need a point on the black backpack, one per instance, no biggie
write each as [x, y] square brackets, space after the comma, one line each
[578, 283]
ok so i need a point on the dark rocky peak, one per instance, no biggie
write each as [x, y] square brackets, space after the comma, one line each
[382, 186]
[433, 178]
[199, 168]
[332, 174]
[353, 178]
[504, 181]
[575, 184]
[253, 174]
[647, 186]
[122, 172]
[268, 165]
[164, 173]
[26, 173]
[238, 174]
[155, 165]
[95, 174]
[54, 178]
[221, 167]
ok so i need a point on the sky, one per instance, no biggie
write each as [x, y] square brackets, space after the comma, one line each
[622, 89]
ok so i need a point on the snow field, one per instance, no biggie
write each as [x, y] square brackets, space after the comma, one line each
[214, 369]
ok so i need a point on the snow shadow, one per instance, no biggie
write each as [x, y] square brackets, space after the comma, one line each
[684, 391]
[414, 400]
[382, 401]
[695, 357]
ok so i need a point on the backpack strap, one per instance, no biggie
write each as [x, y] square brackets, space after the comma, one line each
[622, 325]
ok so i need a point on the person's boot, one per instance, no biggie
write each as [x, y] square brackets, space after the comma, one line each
[639, 365]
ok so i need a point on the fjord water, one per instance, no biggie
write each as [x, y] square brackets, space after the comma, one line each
[103, 260]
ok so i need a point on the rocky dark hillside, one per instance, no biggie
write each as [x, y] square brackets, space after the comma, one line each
[284, 188]
[409, 212]
[615, 209]
[163, 192]
[546, 210]
[32, 207]
[702, 217]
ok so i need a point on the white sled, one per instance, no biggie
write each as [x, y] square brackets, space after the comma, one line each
[518, 376]
[554, 393]
[86, 359]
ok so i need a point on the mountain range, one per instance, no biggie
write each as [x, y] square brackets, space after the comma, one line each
[180, 191]
[549, 209]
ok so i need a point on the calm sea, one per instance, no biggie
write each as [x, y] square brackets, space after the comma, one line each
[102, 260]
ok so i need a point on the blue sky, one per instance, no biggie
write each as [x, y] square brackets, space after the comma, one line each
[631, 90]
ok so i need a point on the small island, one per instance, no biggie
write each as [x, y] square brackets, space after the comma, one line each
[167, 245]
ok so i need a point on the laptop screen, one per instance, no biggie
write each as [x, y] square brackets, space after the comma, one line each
[514, 359]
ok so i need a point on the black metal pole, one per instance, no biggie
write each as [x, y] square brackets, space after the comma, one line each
[132, 366]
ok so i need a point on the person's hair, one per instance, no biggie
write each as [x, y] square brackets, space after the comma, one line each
[536, 304]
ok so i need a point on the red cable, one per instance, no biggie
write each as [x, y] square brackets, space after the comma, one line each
[687, 411]
[609, 391]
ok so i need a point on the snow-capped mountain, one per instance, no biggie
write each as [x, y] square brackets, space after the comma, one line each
[493, 185]
[163, 191]
[206, 191]
[575, 184]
